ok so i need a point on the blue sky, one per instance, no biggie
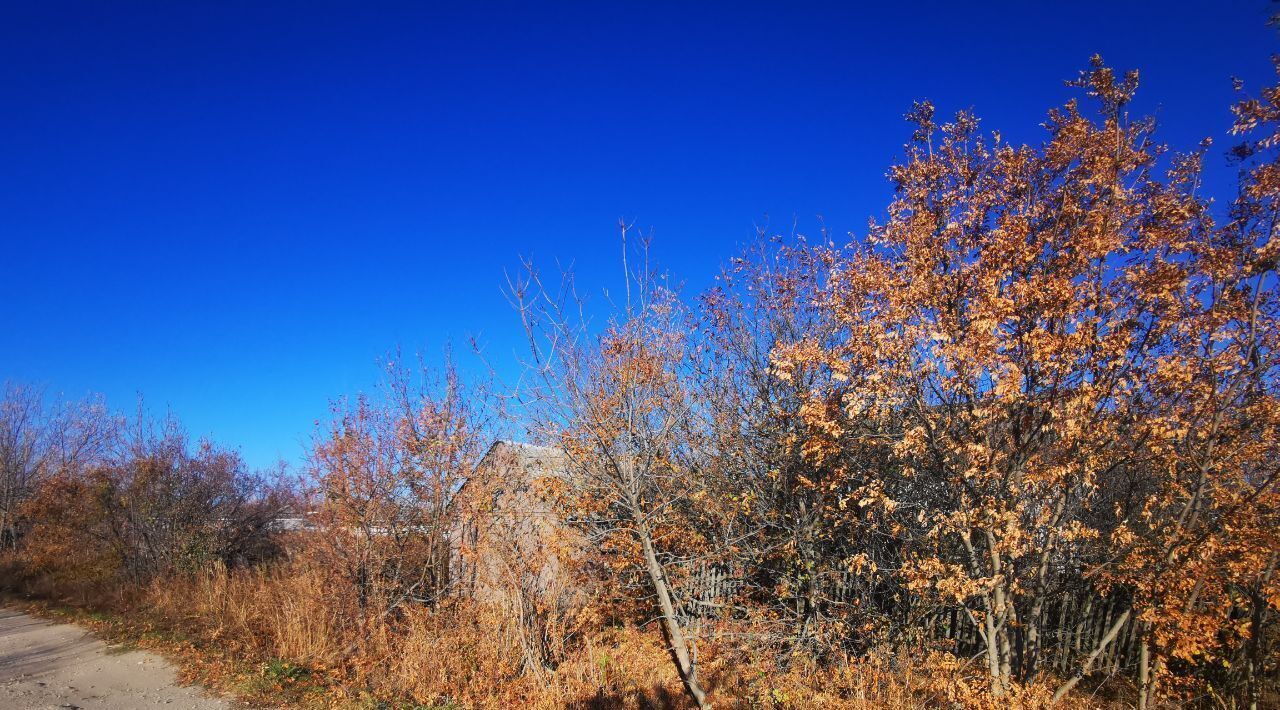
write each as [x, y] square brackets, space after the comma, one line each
[235, 209]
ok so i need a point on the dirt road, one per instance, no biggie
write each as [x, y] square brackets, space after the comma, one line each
[45, 665]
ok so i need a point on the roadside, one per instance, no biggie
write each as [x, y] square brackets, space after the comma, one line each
[50, 665]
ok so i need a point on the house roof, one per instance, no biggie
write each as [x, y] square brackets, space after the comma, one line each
[522, 463]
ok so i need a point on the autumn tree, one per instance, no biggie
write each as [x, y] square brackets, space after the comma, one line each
[791, 477]
[1017, 326]
[386, 476]
[616, 400]
[1202, 542]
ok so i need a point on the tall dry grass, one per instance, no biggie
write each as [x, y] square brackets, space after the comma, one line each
[466, 653]
[470, 654]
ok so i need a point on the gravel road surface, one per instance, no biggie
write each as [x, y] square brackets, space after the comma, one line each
[47, 665]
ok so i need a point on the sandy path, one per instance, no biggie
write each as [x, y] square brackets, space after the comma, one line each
[45, 665]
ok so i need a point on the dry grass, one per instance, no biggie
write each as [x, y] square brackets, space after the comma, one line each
[287, 636]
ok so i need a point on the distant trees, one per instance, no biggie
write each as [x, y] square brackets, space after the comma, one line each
[39, 440]
[22, 444]
[150, 505]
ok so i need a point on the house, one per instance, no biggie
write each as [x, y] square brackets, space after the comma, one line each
[511, 537]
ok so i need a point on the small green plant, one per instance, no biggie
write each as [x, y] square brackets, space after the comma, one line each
[285, 673]
[602, 663]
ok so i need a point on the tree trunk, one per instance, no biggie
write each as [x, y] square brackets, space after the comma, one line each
[8, 538]
[1002, 607]
[1144, 673]
[1253, 648]
[1088, 662]
[685, 664]
[993, 648]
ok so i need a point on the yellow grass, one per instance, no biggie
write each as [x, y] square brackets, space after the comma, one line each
[289, 636]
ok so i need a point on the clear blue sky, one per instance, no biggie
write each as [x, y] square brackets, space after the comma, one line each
[236, 208]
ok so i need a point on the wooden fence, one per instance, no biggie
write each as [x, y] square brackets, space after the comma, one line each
[1071, 627]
